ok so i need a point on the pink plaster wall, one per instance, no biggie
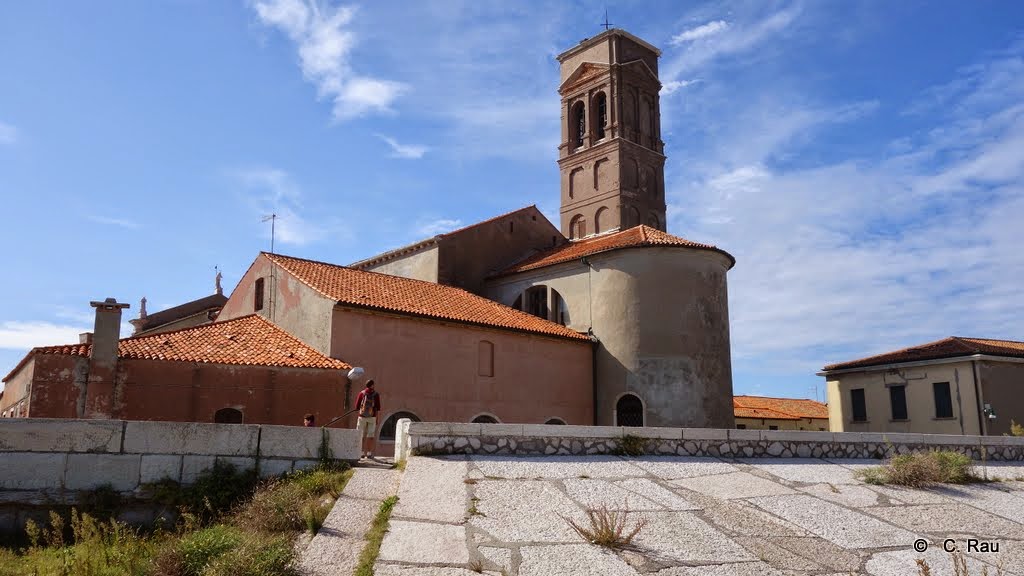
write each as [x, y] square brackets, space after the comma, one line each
[431, 369]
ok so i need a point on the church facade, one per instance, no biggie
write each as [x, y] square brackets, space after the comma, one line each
[604, 318]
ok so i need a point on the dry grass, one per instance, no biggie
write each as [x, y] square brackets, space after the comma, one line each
[921, 469]
[607, 528]
[368, 557]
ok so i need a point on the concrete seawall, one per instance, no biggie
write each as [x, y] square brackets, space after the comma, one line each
[435, 438]
[54, 462]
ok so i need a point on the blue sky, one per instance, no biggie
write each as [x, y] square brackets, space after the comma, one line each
[863, 161]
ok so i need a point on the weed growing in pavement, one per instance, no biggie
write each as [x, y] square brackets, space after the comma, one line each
[368, 557]
[959, 566]
[607, 528]
[629, 445]
[922, 469]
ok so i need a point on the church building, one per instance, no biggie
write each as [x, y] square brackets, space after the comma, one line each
[604, 318]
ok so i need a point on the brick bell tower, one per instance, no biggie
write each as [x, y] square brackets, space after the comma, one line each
[611, 157]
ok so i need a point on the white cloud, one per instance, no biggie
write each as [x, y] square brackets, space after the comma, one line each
[273, 192]
[121, 222]
[708, 43]
[846, 257]
[26, 335]
[440, 226]
[702, 31]
[8, 133]
[404, 150]
[325, 40]
[673, 85]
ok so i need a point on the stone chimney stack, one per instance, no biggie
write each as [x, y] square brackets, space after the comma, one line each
[100, 388]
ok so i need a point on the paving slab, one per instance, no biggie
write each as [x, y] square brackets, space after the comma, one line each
[595, 494]
[432, 489]
[821, 551]
[571, 560]
[852, 496]
[778, 557]
[657, 493]
[993, 498]
[903, 495]
[733, 486]
[742, 518]
[424, 543]
[526, 511]
[676, 537]
[834, 523]
[501, 557]
[732, 569]
[335, 548]
[373, 484]
[951, 518]
[809, 470]
[904, 562]
[1002, 470]
[550, 467]
[673, 467]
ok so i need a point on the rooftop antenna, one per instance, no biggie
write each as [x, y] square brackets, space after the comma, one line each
[273, 220]
[606, 23]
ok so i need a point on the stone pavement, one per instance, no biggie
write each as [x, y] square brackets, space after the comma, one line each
[336, 547]
[506, 515]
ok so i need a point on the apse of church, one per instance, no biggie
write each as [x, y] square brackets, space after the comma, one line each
[611, 157]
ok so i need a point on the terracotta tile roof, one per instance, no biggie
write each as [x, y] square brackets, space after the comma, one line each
[414, 297]
[489, 220]
[249, 341]
[631, 238]
[777, 408]
[951, 347]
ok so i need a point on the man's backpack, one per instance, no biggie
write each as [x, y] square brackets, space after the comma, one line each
[368, 405]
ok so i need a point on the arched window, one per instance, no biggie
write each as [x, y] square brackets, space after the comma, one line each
[629, 411]
[537, 301]
[555, 422]
[485, 419]
[632, 217]
[387, 430]
[601, 223]
[228, 416]
[602, 114]
[652, 221]
[559, 308]
[579, 123]
[577, 227]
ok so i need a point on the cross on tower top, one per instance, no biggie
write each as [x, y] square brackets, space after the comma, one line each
[607, 25]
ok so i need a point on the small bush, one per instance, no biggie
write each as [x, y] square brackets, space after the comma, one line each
[1016, 429]
[315, 514]
[607, 528]
[630, 445]
[323, 480]
[921, 469]
[275, 507]
[218, 489]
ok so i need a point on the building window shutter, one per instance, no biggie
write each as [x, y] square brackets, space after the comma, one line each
[898, 400]
[943, 400]
[860, 409]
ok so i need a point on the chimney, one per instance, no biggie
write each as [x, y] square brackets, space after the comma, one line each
[99, 392]
[85, 338]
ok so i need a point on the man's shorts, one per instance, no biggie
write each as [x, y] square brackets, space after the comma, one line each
[367, 426]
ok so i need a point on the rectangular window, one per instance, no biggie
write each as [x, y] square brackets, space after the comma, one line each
[898, 400]
[257, 301]
[773, 427]
[741, 426]
[485, 358]
[943, 400]
[860, 409]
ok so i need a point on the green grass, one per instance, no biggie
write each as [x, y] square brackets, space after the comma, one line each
[630, 445]
[374, 537]
[237, 527]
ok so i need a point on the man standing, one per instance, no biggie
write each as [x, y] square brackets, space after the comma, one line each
[368, 405]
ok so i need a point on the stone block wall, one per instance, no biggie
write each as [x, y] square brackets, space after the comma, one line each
[435, 438]
[52, 462]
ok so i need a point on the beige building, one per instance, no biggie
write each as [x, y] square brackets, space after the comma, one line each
[765, 413]
[951, 386]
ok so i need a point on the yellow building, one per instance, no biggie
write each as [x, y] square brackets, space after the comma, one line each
[951, 386]
[764, 413]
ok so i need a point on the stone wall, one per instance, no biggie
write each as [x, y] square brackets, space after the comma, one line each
[431, 438]
[54, 462]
